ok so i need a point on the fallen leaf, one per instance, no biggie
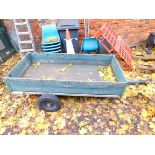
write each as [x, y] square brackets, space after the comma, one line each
[120, 131]
[89, 80]
[60, 123]
[106, 133]
[70, 65]
[144, 113]
[125, 127]
[43, 77]
[89, 128]
[153, 119]
[119, 111]
[152, 125]
[38, 64]
[106, 73]
[63, 69]
[49, 78]
[2, 130]
[82, 124]
[83, 131]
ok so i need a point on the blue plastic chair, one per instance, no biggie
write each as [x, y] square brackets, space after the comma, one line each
[89, 45]
[49, 31]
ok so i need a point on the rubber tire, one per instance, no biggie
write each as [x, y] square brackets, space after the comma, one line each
[49, 98]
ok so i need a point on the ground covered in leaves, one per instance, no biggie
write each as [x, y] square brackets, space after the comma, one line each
[132, 114]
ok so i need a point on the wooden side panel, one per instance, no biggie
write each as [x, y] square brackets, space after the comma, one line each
[72, 87]
[20, 68]
[72, 58]
[117, 70]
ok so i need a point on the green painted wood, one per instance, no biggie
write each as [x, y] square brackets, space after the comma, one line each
[16, 83]
[20, 68]
[71, 58]
[63, 56]
[53, 86]
[117, 70]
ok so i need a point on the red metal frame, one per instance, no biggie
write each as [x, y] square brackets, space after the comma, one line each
[118, 46]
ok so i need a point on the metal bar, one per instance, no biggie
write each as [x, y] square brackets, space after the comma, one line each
[20, 23]
[23, 33]
[26, 42]
[63, 94]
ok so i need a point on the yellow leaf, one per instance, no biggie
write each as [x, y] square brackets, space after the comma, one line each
[49, 78]
[153, 119]
[117, 101]
[89, 80]
[90, 129]
[39, 119]
[107, 73]
[45, 132]
[69, 65]
[23, 132]
[152, 125]
[51, 39]
[119, 111]
[101, 74]
[127, 118]
[1, 102]
[33, 111]
[77, 104]
[83, 131]
[34, 64]
[112, 123]
[7, 97]
[82, 124]
[24, 123]
[54, 127]
[37, 64]
[2, 130]
[144, 113]
[151, 111]
[153, 76]
[60, 123]
[63, 69]
[125, 127]
[43, 77]
[120, 132]
[29, 131]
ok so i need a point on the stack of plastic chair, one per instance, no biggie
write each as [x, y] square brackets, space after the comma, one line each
[50, 39]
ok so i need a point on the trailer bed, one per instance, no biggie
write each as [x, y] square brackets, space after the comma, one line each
[75, 72]
[63, 74]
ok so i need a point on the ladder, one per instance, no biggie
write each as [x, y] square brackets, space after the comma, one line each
[28, 43]
[117, 46]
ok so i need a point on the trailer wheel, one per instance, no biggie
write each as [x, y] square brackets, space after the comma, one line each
[49, 102]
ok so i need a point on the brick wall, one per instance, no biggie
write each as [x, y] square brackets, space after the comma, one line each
[133, 31]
